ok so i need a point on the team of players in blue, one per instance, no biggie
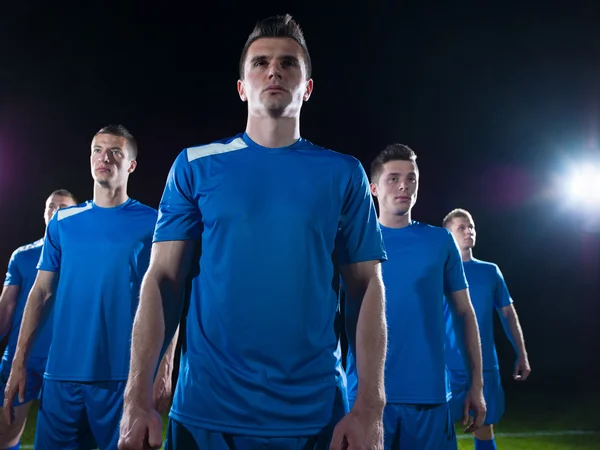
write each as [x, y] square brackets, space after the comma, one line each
[255, 238]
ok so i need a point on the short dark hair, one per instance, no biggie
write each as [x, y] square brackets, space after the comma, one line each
[456, 213]
[393, 152]
[64, 193]
[121, 131]
[277, 26]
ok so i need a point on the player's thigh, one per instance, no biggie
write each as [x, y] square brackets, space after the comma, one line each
[62, 420]
[185, 437]
[10, 434]
[391, 426]
[104, 408]
[427, 427]
[459, 385]
[494, 396]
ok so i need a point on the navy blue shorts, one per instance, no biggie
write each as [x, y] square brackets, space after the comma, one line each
[75, 415]
[492, 393]
[35, 374]
[418, 427]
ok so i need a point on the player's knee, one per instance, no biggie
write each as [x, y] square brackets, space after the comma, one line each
[485, 433]
[11, 434]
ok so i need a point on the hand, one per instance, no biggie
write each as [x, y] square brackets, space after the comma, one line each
[162, 393]
[141, 429]
[16, 383]
[476, 403]
[522, 368]
[358, 430]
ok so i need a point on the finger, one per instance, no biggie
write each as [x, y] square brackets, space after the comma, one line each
[338, 439]
[155, 433]
[479, 417]
[466, 417]
[22, 391]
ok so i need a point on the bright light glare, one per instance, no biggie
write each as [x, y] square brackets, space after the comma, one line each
[584, 185]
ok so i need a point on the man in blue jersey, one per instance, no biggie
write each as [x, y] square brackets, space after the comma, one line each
[17, 284]
[277, 217]
[423, 265]
[488, 293]
[92, 264]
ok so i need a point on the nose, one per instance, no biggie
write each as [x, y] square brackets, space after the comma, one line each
[274, 71]
[104, 156]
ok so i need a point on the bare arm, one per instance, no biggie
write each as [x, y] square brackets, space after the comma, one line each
[367, 330]
[43, 288]
[512, 328]
[8, 304]
[467, 331]
[157, 316]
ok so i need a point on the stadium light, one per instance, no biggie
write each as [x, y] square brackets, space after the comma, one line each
[584, 186]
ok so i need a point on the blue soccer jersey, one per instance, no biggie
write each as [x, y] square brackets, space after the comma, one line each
[22, 270]
[423, 264]
[488, 292]
[261, 349]
[100, 255]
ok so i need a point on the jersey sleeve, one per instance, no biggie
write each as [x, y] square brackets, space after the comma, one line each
[501, 295]
[51, 251]
[179, 217]
[13, 274]
[359, 235]
[454, 272]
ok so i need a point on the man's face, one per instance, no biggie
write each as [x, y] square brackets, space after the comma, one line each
[275, 83]
[463, 231]
[110, 160]
[54, 203]
[397, 187]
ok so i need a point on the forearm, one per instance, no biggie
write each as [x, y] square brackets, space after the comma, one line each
[371, 347]
[6, 316]
[34, 310]
[512, 328]
[152, 331]
[165, 368]
[472, 344]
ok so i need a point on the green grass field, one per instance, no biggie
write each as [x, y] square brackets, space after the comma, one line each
[561, 422]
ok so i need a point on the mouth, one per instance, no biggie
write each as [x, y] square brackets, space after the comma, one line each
[402, 199]
[275, 88]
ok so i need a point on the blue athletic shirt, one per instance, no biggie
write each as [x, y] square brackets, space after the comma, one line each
[261, 353]
[22, 272]
[423, 264]
[488, 292]
[101, 256]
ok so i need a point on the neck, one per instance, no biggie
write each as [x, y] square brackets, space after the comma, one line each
[273, 132]
[466, 254]
[109, 197]
[394, 220]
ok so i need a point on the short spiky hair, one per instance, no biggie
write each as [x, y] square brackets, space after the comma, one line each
[121, 131]
[277, 26]
[393, 152]
[456, 213]
[64, 193]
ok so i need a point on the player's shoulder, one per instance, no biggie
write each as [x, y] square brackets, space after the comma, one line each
[27, 248]
[218, 147]
[485, 265]
[343, 159]
[432, 230]
[72, 211]
[143, 208]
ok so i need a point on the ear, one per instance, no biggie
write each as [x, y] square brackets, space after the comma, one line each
[373, 187]
[132, 166]
[241, 90]
[308, 89]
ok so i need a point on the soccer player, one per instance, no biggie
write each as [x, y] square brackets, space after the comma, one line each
[93, 259]
[277, 216]
[17, 284]
[488, 292]
[423, 265]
